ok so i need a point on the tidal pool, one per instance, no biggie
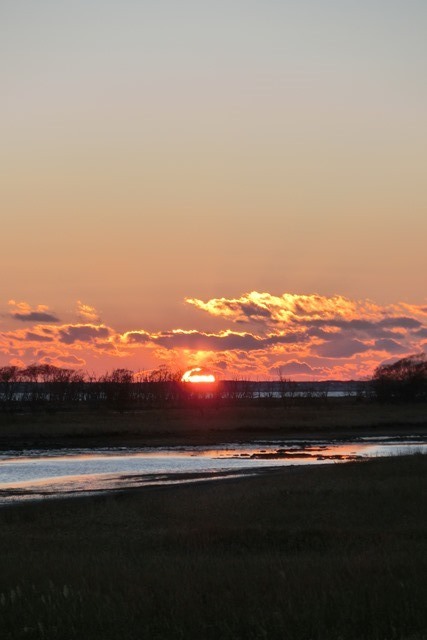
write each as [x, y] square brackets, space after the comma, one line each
[38, 473]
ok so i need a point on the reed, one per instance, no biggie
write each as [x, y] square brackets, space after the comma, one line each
[196, 426]
[338, 551]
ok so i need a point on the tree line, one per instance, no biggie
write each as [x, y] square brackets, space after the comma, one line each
[50, 388]
[402, 381]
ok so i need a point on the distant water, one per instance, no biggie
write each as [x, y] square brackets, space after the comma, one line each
[39, 473]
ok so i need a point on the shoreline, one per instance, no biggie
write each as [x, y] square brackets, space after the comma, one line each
[186, 481]
[297, 453]
[172, 480]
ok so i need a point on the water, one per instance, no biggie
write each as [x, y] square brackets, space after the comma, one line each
[41, 474]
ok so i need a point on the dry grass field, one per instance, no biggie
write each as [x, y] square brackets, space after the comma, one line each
[334, 552]
[209, 425]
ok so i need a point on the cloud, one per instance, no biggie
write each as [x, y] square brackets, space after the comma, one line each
[346, 348]
[72, 360]
[391, 346]
[68, 334]
[295, 308]
[31, 336]
[17, 362]
[23, 312]
[405, 322]
[286, 308]
[225, 340]
[341, 348]
[97, 339]
[86, 313]
[35, 316]
[294, 367]
[384, 327]
[136, 337]
[309, 336]
[61, 361]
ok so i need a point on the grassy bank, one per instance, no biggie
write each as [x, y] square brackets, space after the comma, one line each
[198, 426]
[322, 553]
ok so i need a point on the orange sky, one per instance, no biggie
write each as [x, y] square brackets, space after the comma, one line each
[162, 160]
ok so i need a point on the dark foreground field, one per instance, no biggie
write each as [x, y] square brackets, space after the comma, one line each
[333, 552]
[341, 418]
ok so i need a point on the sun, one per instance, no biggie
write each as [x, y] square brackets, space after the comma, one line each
[195, 377]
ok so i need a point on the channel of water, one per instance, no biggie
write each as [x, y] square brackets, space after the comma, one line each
[39, 474]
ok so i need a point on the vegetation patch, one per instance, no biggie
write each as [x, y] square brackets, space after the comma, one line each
[333, 552]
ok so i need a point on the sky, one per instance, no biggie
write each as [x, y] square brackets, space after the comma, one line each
[234, 185]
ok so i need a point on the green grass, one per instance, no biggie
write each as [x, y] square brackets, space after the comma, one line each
[338, 551]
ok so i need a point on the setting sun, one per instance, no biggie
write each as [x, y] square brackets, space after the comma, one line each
[193, 376]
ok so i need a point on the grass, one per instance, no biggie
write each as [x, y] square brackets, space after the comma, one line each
[192, 426]
[334, 552]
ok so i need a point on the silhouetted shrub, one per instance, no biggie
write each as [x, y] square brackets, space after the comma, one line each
[404, 380]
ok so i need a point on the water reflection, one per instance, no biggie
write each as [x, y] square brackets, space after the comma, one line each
[40, 473]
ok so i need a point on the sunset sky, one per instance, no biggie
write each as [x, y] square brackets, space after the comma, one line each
[234, 185]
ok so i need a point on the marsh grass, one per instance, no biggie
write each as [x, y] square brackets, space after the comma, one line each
[193, 425]
[333, 552]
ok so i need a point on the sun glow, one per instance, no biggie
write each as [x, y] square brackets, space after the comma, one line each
[193, 376]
